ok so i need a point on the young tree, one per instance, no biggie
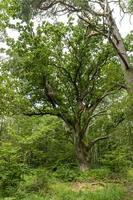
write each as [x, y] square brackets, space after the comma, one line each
[68, 74]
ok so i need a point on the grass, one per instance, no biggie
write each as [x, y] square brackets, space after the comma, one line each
[66, 191]
[109, 193]
[130, 174]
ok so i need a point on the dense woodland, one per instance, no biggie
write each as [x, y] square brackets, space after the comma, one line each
[66, 106]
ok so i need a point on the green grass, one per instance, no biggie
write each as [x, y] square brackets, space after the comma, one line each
[130, 174]
[63, 191]
[95, 174]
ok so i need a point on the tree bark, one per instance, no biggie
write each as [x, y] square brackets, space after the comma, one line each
[81, 152]
[118, 44]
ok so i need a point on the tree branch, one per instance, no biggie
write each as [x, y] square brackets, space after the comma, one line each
[93, 107]
[104, 137]
[58, 114]
[91, 144]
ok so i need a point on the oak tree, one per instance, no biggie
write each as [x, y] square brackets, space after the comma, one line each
[67, 73]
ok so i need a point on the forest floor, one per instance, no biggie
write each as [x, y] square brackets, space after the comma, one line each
[89, 187]
[97, 185]
[129, 186]
[128, 191]
[84, 190]
[109, 188]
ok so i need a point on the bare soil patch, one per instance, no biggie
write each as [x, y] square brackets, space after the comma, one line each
[82, 186]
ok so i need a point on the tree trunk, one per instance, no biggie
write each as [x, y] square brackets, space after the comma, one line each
[82, 154]
[118, 44]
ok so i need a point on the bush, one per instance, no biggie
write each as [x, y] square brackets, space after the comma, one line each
[11, 170]
[116, 160]
[37, 181]
[66, 173]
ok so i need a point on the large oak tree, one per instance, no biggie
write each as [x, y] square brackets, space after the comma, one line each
[69, 74]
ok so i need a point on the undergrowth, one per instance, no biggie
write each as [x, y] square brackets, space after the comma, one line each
[70, 184]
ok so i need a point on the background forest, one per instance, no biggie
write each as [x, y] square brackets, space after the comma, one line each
[66, 106]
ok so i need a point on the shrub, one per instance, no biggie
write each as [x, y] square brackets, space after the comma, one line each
[116, 160]
[11, 170]
[38, 181]
[66, 173]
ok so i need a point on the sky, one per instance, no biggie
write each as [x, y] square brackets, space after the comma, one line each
[125, 24]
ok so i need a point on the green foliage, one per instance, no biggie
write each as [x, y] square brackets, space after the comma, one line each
[94, 174]
[9, 9]
[11, 169]
[7, 92]
[130, 174]
[46, 52]
[117, 161]
[34, 135]
[39, 181]
[42, 141]
[66, 173]
[130, 6]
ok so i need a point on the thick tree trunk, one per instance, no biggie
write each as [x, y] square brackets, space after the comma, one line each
[83, 151]
[82, 154]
